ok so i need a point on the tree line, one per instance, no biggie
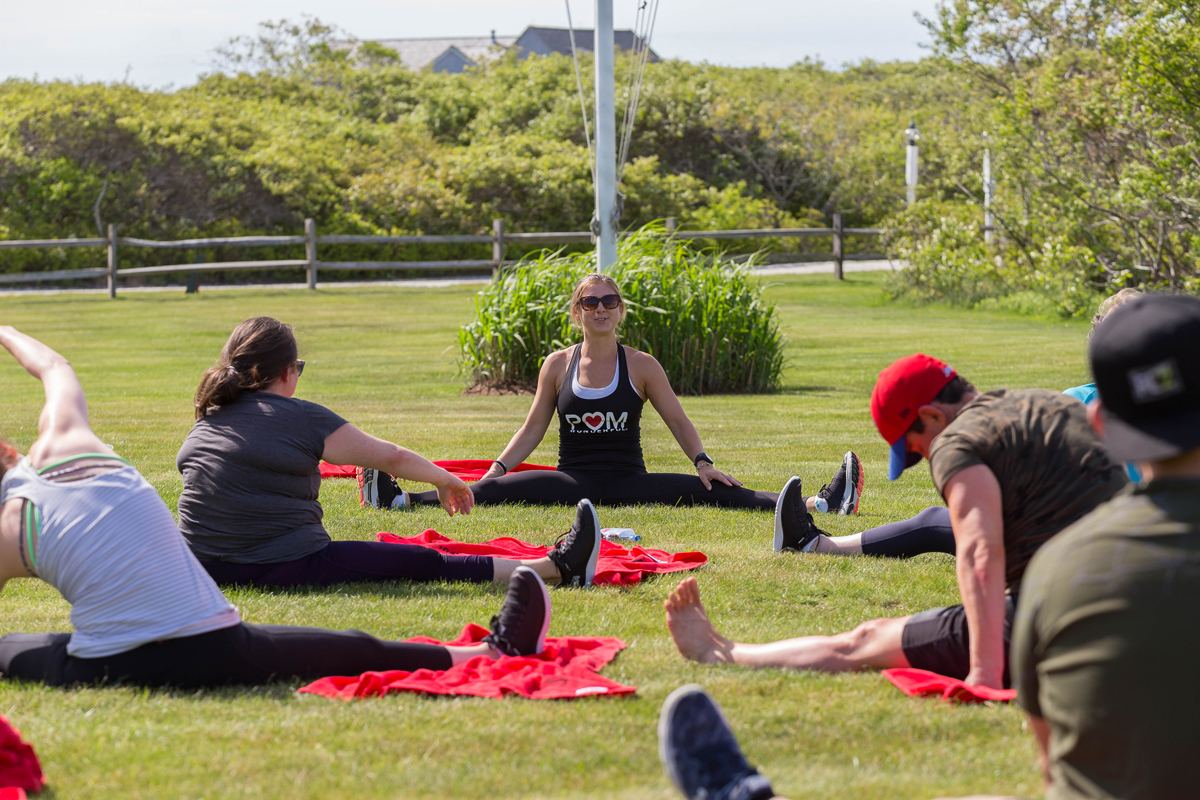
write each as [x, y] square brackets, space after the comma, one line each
[1090, 108]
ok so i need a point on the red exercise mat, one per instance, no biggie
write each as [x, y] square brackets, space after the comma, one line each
[565, 669]
[617, 566]
[19, 767]
[923, 683]
[469, 469]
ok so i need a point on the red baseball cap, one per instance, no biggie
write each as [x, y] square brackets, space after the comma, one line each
[902, 388]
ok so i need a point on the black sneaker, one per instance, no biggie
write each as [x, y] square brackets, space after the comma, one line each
[377, 489]
[844, 492]
[794, 526]
[576, 551]
[520, 627]
[700, 753]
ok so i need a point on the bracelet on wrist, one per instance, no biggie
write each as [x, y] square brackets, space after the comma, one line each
[503, 466]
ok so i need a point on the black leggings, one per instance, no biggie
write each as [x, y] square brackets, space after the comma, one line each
[356, 562]
[927, 532]
[567, 487]
[243, 654]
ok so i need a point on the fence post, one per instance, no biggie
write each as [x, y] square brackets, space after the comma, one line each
[497, 246]
[837, 246]
[671, 225]
[112, 261]
[310, 251]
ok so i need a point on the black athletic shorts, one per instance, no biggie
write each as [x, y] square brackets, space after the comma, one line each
[937, 640]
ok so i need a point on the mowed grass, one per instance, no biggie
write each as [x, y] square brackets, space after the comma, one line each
[383, 358]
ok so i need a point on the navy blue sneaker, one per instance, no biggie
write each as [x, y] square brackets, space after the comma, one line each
[699, 751]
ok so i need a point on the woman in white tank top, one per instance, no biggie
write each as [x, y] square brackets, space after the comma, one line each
[81, 518]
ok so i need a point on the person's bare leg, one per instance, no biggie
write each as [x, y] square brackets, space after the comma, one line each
[547, 570]
[460, 654]
[838, 545]
[872, 645]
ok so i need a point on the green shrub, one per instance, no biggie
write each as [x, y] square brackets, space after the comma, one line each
[702, 318]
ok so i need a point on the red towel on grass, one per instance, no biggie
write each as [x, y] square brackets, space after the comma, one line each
[565, 669]
[617, 566]
[19, 767]
[923, 683]
[470, 469]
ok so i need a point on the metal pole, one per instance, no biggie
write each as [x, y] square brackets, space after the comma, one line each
[989, 189]
[606, 138]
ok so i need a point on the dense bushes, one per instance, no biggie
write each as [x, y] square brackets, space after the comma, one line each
[704, 320]
[1092, 109]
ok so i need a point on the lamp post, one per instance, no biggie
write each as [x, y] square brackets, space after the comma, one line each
[910, 161]
[605, 227]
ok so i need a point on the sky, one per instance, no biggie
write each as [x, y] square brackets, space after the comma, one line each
[161, 43]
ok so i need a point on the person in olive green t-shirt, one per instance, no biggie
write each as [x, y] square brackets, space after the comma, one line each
[1106, 639]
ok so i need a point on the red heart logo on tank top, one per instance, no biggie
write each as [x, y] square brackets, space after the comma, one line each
[593, 421]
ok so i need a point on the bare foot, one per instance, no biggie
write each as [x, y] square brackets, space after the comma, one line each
[691, 629]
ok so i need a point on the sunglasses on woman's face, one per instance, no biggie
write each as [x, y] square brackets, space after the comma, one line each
[610, 301]
[299, 367]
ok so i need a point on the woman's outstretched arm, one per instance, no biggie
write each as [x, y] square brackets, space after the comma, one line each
[530, 435]
[63, 428]
[349, 445]
[660, 394]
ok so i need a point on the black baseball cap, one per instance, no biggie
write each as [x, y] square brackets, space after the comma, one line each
[1146, 362]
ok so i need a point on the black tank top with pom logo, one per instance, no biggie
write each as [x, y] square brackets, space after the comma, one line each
[601, 431]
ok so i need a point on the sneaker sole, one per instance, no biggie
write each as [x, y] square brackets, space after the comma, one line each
[589, 572]
[364, 488]
[778, 544]
[665, 716]
[855, 481]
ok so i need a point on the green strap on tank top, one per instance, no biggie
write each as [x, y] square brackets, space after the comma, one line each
[31, 531]
[76, 458]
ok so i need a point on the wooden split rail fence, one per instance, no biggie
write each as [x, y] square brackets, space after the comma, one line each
[499, 239]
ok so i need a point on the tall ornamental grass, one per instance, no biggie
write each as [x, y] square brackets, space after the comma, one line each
[702, 318]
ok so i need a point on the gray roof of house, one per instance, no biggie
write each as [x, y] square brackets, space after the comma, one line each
[544, 41]
[419, 53]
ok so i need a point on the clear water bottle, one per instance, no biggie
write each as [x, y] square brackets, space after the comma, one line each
[620, 534]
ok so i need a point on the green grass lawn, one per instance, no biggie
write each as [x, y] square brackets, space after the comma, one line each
[384, 359]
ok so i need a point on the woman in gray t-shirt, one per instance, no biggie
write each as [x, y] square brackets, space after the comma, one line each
[251, 479]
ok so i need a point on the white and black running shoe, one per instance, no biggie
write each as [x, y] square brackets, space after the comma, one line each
[576, 552]
[524, 619]
[377, 489]
[701, 754]
[794, 526]
[844, 492]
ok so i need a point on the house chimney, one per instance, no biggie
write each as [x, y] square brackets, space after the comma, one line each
[494, 36]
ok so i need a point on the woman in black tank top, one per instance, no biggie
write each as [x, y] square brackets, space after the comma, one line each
[598, 388]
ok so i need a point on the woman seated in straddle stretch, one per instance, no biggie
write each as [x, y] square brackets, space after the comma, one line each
[598, 389]
[81, 518]
[251, 478]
